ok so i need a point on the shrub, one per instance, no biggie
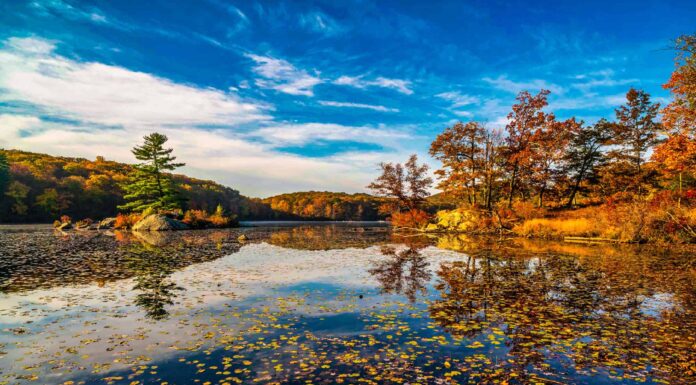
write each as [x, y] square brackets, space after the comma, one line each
[527, 210]
[200, 219]
[126, 221]
[415, 218]
[196, 219]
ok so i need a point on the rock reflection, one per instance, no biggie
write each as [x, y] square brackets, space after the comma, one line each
[40, 259]
[402, 272]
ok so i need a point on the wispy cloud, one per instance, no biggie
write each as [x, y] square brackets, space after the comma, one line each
[502, 82]
[319, 22]
[357, 105]
[280, 75]
[403, 86]
[458, 99]
[298, 134]
[601, 78]
[31, 72]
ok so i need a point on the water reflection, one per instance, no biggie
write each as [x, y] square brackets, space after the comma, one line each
[561, 314]
[308, 303]
[402, 272]
[153, 284]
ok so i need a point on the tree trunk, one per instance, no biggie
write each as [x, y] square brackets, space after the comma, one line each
[512, 185]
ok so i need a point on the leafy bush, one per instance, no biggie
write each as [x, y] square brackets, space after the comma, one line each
[415, 219]
[126, 221]
[200, 219]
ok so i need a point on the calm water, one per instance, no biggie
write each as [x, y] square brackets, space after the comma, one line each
[339, 304]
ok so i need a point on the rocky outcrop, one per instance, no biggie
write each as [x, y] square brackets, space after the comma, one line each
[158, 222]
[107, 223]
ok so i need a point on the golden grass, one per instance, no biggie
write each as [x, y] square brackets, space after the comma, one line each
[545, 227]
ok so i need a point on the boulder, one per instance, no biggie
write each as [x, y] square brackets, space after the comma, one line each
[65, 226]
[158, 222]
[107, 223]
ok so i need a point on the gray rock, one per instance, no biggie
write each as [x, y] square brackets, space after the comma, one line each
[157, 222]
[107, 223]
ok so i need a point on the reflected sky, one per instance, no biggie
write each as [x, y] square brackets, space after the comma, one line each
[330, 304]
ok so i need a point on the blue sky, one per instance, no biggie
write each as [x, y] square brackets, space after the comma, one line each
[273, 96]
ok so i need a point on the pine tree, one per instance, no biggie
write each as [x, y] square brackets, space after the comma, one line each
[150, 186]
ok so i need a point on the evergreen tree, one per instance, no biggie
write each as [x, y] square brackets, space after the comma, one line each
[637, 128]
[150, 186]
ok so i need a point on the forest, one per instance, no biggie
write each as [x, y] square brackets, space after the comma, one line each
[39, 188]
[628, 178]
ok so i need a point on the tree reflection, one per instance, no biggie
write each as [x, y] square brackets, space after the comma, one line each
[403, 272]
[546, 307]
[152, 268]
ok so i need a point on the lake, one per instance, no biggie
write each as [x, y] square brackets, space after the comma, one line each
[339, 303]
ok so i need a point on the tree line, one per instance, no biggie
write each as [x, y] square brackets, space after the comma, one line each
[40, 188]
[644, 151]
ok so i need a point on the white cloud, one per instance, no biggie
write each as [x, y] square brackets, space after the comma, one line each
[30, 71]
[114, 107]
[458, 99]
[282, 76]
[587, 101]
[232, 159]
[601, 78]
[463, 114]
[298, 134]
[503, 83]
[400, 85]
[357, 105]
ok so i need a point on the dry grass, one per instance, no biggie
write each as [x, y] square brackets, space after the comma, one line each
[557, 227]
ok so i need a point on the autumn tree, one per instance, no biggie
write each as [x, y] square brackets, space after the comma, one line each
[635, 132]
[525, 119]
[151, 186]
[584, 154]
[460, 148]
[548, 148]
[407, 183]
[677, 154]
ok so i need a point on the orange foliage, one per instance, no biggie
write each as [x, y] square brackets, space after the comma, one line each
[126, 221]
[415, 218]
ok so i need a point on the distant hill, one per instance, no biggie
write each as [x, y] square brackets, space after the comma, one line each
[324, 205]
[44, 187]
